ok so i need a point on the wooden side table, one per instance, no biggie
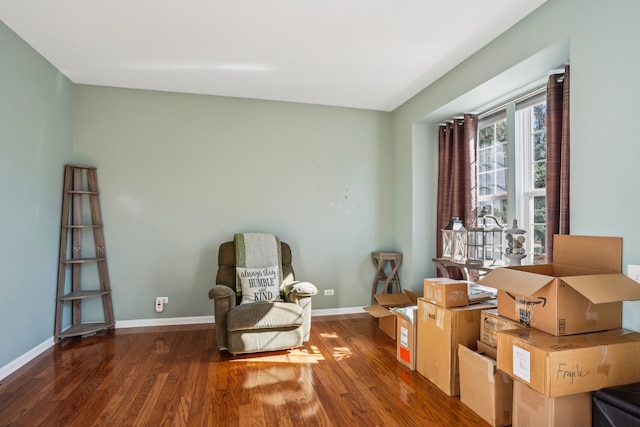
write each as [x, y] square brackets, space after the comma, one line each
[379, 260]
[464, 267]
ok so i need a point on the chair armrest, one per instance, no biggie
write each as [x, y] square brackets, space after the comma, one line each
[300, 293]
[297, 290]
[221, 291]
[224, 298]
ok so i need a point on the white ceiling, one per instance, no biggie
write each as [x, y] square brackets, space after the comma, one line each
[372, 54]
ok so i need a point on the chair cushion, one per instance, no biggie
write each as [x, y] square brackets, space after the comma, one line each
[264, 315]
[264, 340]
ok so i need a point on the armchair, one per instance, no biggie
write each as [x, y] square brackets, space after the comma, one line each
[256, 320]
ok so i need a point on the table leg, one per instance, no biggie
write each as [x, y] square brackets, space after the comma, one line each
[394, 276]
[376, 277]
[444, 271]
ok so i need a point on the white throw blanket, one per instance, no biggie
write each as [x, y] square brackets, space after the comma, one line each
[257, 250]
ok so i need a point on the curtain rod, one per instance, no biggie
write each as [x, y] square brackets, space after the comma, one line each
[560, 70]
[516, 99]
[521, 97]
[451, 120]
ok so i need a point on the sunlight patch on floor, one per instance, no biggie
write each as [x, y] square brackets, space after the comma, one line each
[294, 356]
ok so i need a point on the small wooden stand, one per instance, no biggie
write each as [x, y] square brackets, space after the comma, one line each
[379, 259]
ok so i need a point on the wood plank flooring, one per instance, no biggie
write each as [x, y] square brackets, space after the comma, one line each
[346, 375]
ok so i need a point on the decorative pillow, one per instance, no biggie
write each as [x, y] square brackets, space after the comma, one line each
[259, 284]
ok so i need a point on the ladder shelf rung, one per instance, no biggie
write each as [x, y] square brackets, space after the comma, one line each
[83, 167]
[84, 294]
[83, 260]
[85, 192]
[83, 226]
[85, 329]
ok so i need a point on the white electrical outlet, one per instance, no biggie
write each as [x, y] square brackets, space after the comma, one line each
[633, 271]
[328, 292]
[160, 302]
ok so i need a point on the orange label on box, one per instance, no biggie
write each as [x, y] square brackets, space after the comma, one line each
[405, 355]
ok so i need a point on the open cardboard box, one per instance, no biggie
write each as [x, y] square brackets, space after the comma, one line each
[406, 335]
[582, 291]
[439, 331]
[386, 319]
[484, 389]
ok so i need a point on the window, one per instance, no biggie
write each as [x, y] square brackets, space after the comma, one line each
[492, 166]
[531, 122]
[511, 168]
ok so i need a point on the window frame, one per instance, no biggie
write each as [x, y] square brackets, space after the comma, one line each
[520, 169]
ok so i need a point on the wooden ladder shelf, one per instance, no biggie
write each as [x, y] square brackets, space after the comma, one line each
[80, 187]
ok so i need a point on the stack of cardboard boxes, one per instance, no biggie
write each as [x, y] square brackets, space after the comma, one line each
[444, 320]
[383, 310]
[442, 316]
[573, 343]
[533, 356]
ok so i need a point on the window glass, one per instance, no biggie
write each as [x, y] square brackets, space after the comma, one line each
[492, 165]
[493, 169]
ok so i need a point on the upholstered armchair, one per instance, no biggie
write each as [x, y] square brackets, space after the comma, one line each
[258, 304]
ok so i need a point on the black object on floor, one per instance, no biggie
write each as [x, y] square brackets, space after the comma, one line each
[617, 406]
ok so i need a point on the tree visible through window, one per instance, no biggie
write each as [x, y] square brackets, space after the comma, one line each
[533, 122]
[492, 168]
[523, 182]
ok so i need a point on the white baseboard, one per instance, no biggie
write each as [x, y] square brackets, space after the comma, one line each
[168, 321]
[172, 321]
[20, 361]
[27, 357]
[337, 311]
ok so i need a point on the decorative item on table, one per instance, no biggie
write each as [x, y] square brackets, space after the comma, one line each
[484, 242]
[515, 250]
[454, 241]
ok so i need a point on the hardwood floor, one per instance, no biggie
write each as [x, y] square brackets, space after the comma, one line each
[346, 375]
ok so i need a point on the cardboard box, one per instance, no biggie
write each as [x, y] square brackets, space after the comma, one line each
[386, 319]
[559, 366]
[492, 323]
[446, 292]
[582, 291]
[487, 350]
[406, 335]
[440, 330]
[484, 389]
[531, 409]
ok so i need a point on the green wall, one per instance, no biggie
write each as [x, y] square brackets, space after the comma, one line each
[36, 140]
[600, 40]
[180, 174]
